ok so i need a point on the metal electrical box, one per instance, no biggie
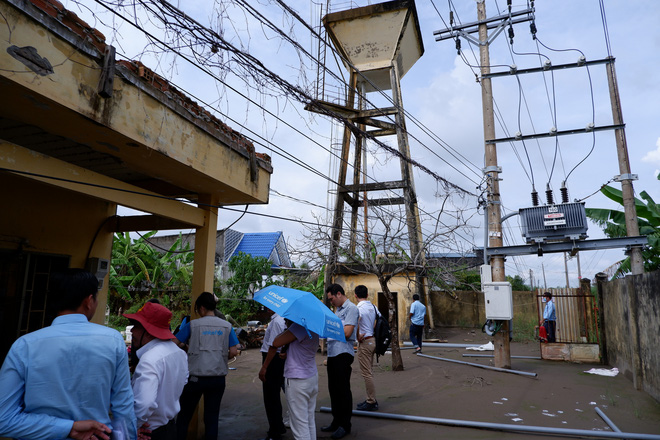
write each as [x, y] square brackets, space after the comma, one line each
[566, 221]
[99, 267]
[498, 298]
[486, 274]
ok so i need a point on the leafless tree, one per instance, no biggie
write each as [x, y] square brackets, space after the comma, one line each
[382, 250]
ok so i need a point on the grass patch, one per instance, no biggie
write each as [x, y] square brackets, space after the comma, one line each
[523, 329]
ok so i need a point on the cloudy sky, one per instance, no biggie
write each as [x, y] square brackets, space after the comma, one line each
[443, 102]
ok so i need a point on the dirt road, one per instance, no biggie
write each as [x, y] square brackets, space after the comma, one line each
[561, 396]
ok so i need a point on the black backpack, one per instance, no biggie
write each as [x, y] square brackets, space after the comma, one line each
[382, 334]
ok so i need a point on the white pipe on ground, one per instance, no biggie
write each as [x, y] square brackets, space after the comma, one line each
[503, 426]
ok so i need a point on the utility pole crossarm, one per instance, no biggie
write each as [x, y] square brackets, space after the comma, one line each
[524, 137]
[548, 67]
[491, 23]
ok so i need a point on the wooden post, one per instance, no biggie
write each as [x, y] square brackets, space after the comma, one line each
[626, 178]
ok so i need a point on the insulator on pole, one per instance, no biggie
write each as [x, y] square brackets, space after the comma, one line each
[564, 193]
[550, 200]
[458, 45]
[532, 29]
[451, 18]
[511, 34]
[535, 198]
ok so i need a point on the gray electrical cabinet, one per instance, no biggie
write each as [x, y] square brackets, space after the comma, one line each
[498, 298]
[565, 221]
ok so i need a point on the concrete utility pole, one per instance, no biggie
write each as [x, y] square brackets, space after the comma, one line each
[626, 178]
[568, 285]
[502, 345]
[579, 268]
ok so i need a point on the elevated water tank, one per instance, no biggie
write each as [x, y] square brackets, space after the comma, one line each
[372, 38]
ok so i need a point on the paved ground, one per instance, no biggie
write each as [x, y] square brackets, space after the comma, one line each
[562, 396]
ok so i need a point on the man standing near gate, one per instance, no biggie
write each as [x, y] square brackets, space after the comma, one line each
[549, 320]
[340, 358]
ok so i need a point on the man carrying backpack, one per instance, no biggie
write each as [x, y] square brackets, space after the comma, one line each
[367, 346]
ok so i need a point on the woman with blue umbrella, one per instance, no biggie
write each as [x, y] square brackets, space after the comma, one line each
[308, 319]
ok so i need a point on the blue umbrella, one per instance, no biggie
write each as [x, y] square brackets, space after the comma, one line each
[302, 308]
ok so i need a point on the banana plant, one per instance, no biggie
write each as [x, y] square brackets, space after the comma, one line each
[613, 223]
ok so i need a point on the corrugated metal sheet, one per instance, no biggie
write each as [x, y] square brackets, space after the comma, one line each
[576, 315]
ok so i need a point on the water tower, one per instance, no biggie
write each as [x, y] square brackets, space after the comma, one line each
[378, 44]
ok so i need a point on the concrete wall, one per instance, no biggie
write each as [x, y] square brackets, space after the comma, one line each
[399, 284]
[467, 309]
[631, 309]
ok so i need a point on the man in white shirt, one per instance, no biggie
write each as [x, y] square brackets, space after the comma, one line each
[367, 345]
[161, 373]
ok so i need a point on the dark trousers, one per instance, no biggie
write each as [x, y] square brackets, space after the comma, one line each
[272, 387]
[416, 333]
[551, 329]
[339, 385]
[165, 432]
[212, 388]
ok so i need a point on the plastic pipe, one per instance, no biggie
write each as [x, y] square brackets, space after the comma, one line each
[487, 367]
[442, 344]
[607, 420]
[503, 426]
[512, 357]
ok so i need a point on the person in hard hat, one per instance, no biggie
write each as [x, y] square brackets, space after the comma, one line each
[161, 373]
[549, 317]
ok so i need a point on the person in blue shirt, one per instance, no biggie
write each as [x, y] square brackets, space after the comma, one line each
[549, 320]
[417, 315]
[211, 343]
[64, 380]
[340, 358]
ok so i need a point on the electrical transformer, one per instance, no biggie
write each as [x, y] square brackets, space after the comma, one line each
[565, 221]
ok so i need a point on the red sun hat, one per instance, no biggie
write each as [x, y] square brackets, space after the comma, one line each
[155, 319]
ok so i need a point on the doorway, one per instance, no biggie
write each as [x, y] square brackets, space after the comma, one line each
[382, 304]
[25, 305]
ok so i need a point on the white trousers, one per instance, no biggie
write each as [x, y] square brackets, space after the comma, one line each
[301, 397]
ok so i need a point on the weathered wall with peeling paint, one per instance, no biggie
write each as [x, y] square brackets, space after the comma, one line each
[39, 218]
[399, 284]
[631, 308]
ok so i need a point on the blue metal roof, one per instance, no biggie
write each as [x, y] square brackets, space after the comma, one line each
[269, 245]
[258, 244]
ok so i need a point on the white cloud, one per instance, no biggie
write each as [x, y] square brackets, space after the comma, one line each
[654, 155]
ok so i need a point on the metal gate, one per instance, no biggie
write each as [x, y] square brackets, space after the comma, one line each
[577, 315]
